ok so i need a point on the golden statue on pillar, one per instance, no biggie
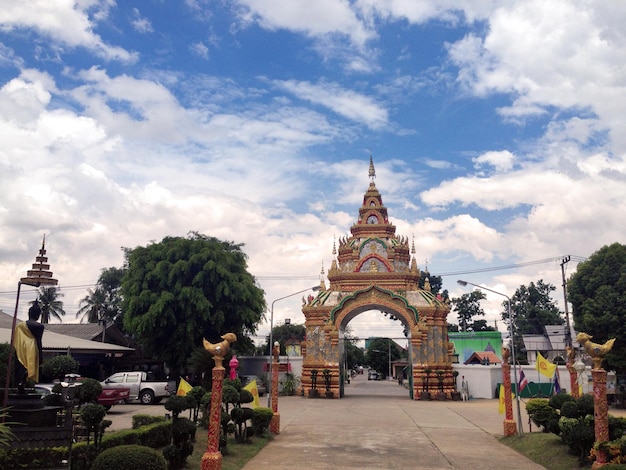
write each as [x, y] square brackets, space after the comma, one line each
[212, 458]
[596, 351]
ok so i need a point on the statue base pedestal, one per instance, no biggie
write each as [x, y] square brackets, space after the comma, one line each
[510, 427]
[211, 461]
[275, 423]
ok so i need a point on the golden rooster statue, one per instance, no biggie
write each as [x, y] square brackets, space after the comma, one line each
[596, 351]
[219, 350]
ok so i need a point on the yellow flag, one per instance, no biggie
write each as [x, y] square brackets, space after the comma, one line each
[183, 387]
[501, 400]
[544, 366]
[252, 388]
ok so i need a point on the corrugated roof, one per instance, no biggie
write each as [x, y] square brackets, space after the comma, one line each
[56, 342]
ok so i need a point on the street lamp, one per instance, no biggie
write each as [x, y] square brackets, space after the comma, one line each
[39, 275]
[519, 413]
[271, 342]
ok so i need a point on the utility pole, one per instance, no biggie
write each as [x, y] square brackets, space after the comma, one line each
[568, 333]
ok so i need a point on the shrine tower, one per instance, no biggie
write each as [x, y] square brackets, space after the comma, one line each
[375, 269]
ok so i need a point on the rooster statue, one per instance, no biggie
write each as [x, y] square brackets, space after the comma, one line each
[220, 349]
[596, 351]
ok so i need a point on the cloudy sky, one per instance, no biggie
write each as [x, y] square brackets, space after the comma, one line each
[496, 127]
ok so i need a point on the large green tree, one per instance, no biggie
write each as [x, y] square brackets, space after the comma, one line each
[597, 293]
[467, 308]
[532, 307]
[181, 290]
[104, 302]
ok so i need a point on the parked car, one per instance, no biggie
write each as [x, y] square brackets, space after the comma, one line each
[141, 388]
[246, 379]
[373, 375]
[108, 397]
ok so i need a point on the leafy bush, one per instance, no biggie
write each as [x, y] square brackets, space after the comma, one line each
[183, 429]
[176, 404]
[245, 396]
[570, 409]
[556, 401]
[33, 458]
[261, 419]
[89, 390]
[130, 457]
[542, 414]
[578, 434]
[57, 367]
[585, 404]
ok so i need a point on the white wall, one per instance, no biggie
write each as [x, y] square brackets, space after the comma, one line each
[482, 380]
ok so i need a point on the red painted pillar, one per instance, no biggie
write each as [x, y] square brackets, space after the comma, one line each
[600, 414]
[275, 423]
[212, 458]
[510, 426]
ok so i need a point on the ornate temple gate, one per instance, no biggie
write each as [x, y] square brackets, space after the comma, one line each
[374, 269]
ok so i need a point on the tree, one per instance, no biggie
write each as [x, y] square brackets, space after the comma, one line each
[467, 307]
[282, 334]
[532, 308]
[181, 290]
[105, 301]
[355, 356]
[380, 352]
[48, 296]
[597, 293]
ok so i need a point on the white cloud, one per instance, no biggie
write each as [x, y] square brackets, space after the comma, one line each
[315, 19]
[550, 54]
[64, 21]
[141, 25]
[347, 103]
[501, 161]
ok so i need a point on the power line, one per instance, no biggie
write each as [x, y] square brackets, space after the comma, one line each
[280, 277]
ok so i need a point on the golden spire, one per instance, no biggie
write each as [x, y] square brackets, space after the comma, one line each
[372, 171]
[322, 283]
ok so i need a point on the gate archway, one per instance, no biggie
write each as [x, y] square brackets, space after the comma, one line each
[374, 269]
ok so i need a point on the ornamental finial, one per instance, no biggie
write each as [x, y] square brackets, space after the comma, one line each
[372, 171]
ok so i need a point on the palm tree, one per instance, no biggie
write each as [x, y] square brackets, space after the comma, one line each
[49, 303]
[93, 306]
[104, 302]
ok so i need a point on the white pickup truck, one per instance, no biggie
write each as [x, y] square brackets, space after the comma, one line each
[142, 389]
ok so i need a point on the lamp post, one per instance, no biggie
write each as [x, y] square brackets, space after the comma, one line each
[517, 397]
[271, 342]
[39, 275]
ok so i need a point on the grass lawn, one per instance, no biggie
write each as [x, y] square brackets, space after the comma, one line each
[237, 455]
[546, 449]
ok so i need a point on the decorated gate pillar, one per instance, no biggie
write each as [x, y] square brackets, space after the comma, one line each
[375, 269]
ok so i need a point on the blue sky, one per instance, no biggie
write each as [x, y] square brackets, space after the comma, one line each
[496, 128]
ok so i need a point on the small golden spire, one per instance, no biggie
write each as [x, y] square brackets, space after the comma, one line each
[372, 171]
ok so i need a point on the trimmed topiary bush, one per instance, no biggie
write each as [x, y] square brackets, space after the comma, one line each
[569, 409]
[585, 404]
[176, 404]
[89, 390]
[556, 401]
[542, 414]
[261, 419]
[130, 457]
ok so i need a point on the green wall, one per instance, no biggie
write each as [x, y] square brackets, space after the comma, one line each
[465, 344]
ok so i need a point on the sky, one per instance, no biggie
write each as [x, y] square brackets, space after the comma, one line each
[496, 129]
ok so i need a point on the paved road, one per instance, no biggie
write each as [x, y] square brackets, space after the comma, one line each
[377, 426]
